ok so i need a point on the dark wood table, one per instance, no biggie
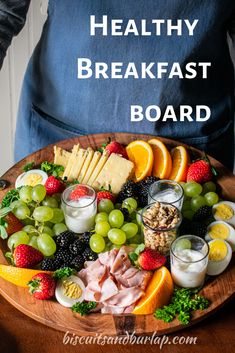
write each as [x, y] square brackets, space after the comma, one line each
[20, 334]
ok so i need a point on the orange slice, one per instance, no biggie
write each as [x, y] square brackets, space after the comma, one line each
[162, 164]
[180, 161]
[18, 276]
[141, 154]
[158, 293]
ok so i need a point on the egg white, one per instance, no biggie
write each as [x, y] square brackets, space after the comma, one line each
[215, 268]
[230, 221]
[21, 179]
[231, 237]
[64, 300]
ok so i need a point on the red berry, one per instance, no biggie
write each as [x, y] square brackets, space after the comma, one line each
[116, 147]
[54, 186]
[78, 192]
[200, 172]
[13, 224]
[42, 286]
[150, 259]
[105, 195]
[26, 256]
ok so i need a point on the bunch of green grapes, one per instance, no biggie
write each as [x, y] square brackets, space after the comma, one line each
[111, 230]
[42, 217]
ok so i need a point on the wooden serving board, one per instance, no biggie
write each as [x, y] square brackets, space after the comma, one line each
[50, 313]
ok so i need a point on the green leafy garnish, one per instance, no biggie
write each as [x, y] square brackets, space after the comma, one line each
[63, 272]
[183, 302]
[28, 166]
[83, 308]
[52, 169]
[133, 256]
[102, 148]
[11, 196]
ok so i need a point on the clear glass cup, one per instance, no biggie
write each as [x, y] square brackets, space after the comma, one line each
[79, 214]
[160, 238]
[166, 191]
[189, 260]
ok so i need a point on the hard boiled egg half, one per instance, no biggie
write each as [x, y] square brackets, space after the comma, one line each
[225, 211]
[69, 291]
[220, 254]
[32, 177]
[221, 230]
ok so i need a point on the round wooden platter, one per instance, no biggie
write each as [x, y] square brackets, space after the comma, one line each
[218, 290]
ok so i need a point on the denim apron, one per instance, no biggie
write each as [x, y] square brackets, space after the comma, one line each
[56, 105]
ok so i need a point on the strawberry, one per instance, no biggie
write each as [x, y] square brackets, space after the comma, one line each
[105, 194]
[54, 186]
[150, 259]
[116, 147]
[42, 286]
[13, 224]
[26, 256]
[200, 171]
[78, 192]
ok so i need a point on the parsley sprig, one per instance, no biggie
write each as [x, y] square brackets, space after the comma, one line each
[52, 169]
[11, 196]
[183, 302]
[83, 308]
[63, 272]
[28, 166]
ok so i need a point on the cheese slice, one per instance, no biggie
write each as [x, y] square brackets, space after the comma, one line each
[98, 168]
[61, 157]
[78, 164]
[116, 171]
[71, 161]
[89, 156]
[94, 161]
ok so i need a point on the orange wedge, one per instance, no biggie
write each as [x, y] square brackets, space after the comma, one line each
[180, 161]
[18, 276]
[162, 164]
[141, 154]
[158, 293]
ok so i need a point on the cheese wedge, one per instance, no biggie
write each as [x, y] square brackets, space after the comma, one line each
[89, 156]
[71, 161]
[94, 161]
[116, 171]
[98, 168]
[61, 156]
[78, 164]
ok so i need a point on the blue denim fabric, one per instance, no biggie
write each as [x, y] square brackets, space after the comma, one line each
[56, 105]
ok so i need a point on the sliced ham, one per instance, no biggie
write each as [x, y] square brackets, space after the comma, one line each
[121, 262]
[108, 290]
[112, 310]
[107, 258]
[125, 297]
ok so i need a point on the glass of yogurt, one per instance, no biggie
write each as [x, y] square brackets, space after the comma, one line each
[189, 260]
[166, 191]
[79, 214]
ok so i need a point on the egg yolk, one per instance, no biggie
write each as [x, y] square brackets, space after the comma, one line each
[71, 289]
[218, 250]
[33, 179]
[219, 231]
[224, 211]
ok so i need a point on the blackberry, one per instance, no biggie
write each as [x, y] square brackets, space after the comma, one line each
[129, 189]
[77, 247]
[203, 213]
[65, 239]
[85, 238]
[198, 229]
[125, 213]
[143, 189]
[78, 262]
[64, 255]
[65, 264]
[48, 264]
[89, 255]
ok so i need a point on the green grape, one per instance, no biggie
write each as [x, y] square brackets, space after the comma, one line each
[58, 216]
[134, 246]
[102, 216]
[209, 186]
[28, 221]
[183, 244]
[47, 230]
[188, 214]
[22, 212]
[50, 202]
[26, 194]
[117, 236]
[57, 197]
[102, 228]
[34, 242]
[197, 202]
[46, 244]
[138, 217]
[30, 229]
[16, 204]
[49, 224]
[211, 198]
[59, 228]
[118, 206]
[183, 184]
[105, 205]
[192, 189]
[130, 203]
[137, 239]
[43, 214]
[17, 238]
[131, 229]
[38, 193]
[116, 218]
[186, 205]
[97, 243]
[115, 246]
